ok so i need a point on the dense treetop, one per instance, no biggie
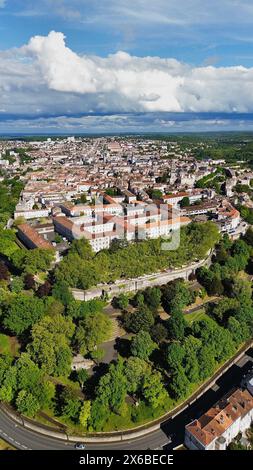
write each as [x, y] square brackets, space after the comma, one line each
[83, 269]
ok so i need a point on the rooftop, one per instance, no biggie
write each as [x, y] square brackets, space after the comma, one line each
[30, 233]
[218, 419]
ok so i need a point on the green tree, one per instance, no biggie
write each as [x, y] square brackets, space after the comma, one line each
[79, 310]
[192, 347]
[5, 364]
[139, 300]
[224, 309]
[33, 380]
[83, 199]
[50, 347]
[6, 393]
[97, 355]
[111, 192]
[242, 291]
[142, 345]
[82, 376]
[248, 237]
[33, 261]
[159, 333]
[176, 295]
[53, 307]
[240, 248]
[216, 337]
[28, 373]
[210, 280]
[45, 393]
[27, 404]
[85, 413]
[185, 202]
[8, 380]
[17, 285]
[179, 384]
[122, 302]
[112, 387]
[70, 405]
[61, 292]
[174, 356]
[83, 248]
[155, 194]
[94, 329]
[22, 312]
[206, 361]
[222, 255]
[176, 326]
[223, 344]
[245, 316]
[240, 331]
[8, 246]
[140, 320]
[152, 297]
[153, 390]
[99, 414]
[135, 371]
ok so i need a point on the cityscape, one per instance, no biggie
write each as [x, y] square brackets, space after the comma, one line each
[126, 238]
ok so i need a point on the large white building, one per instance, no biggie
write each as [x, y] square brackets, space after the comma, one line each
[32, 214]
[102, 227]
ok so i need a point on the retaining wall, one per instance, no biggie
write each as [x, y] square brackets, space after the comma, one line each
[133, 285]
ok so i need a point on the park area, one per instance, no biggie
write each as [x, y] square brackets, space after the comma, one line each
[196, 316]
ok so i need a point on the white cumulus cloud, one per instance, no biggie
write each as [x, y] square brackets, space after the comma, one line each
[46, 78]
[121, 82]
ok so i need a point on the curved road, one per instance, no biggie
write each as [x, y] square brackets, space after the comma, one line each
[25, 439]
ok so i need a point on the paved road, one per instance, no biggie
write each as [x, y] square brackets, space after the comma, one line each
[27, 440]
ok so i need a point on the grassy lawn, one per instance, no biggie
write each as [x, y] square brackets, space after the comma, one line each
[9, 345]
[200, 302]
[196, 316]
[5, 446]
[65, 381]
[41, 277]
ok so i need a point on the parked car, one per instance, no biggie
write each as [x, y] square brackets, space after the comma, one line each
[80, 446]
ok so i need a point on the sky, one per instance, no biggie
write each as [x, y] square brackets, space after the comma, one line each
[77, 66]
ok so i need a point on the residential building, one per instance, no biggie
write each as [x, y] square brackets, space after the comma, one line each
[216, 428]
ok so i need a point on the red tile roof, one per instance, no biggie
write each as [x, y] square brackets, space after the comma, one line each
[37, 240]
[218, 419]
